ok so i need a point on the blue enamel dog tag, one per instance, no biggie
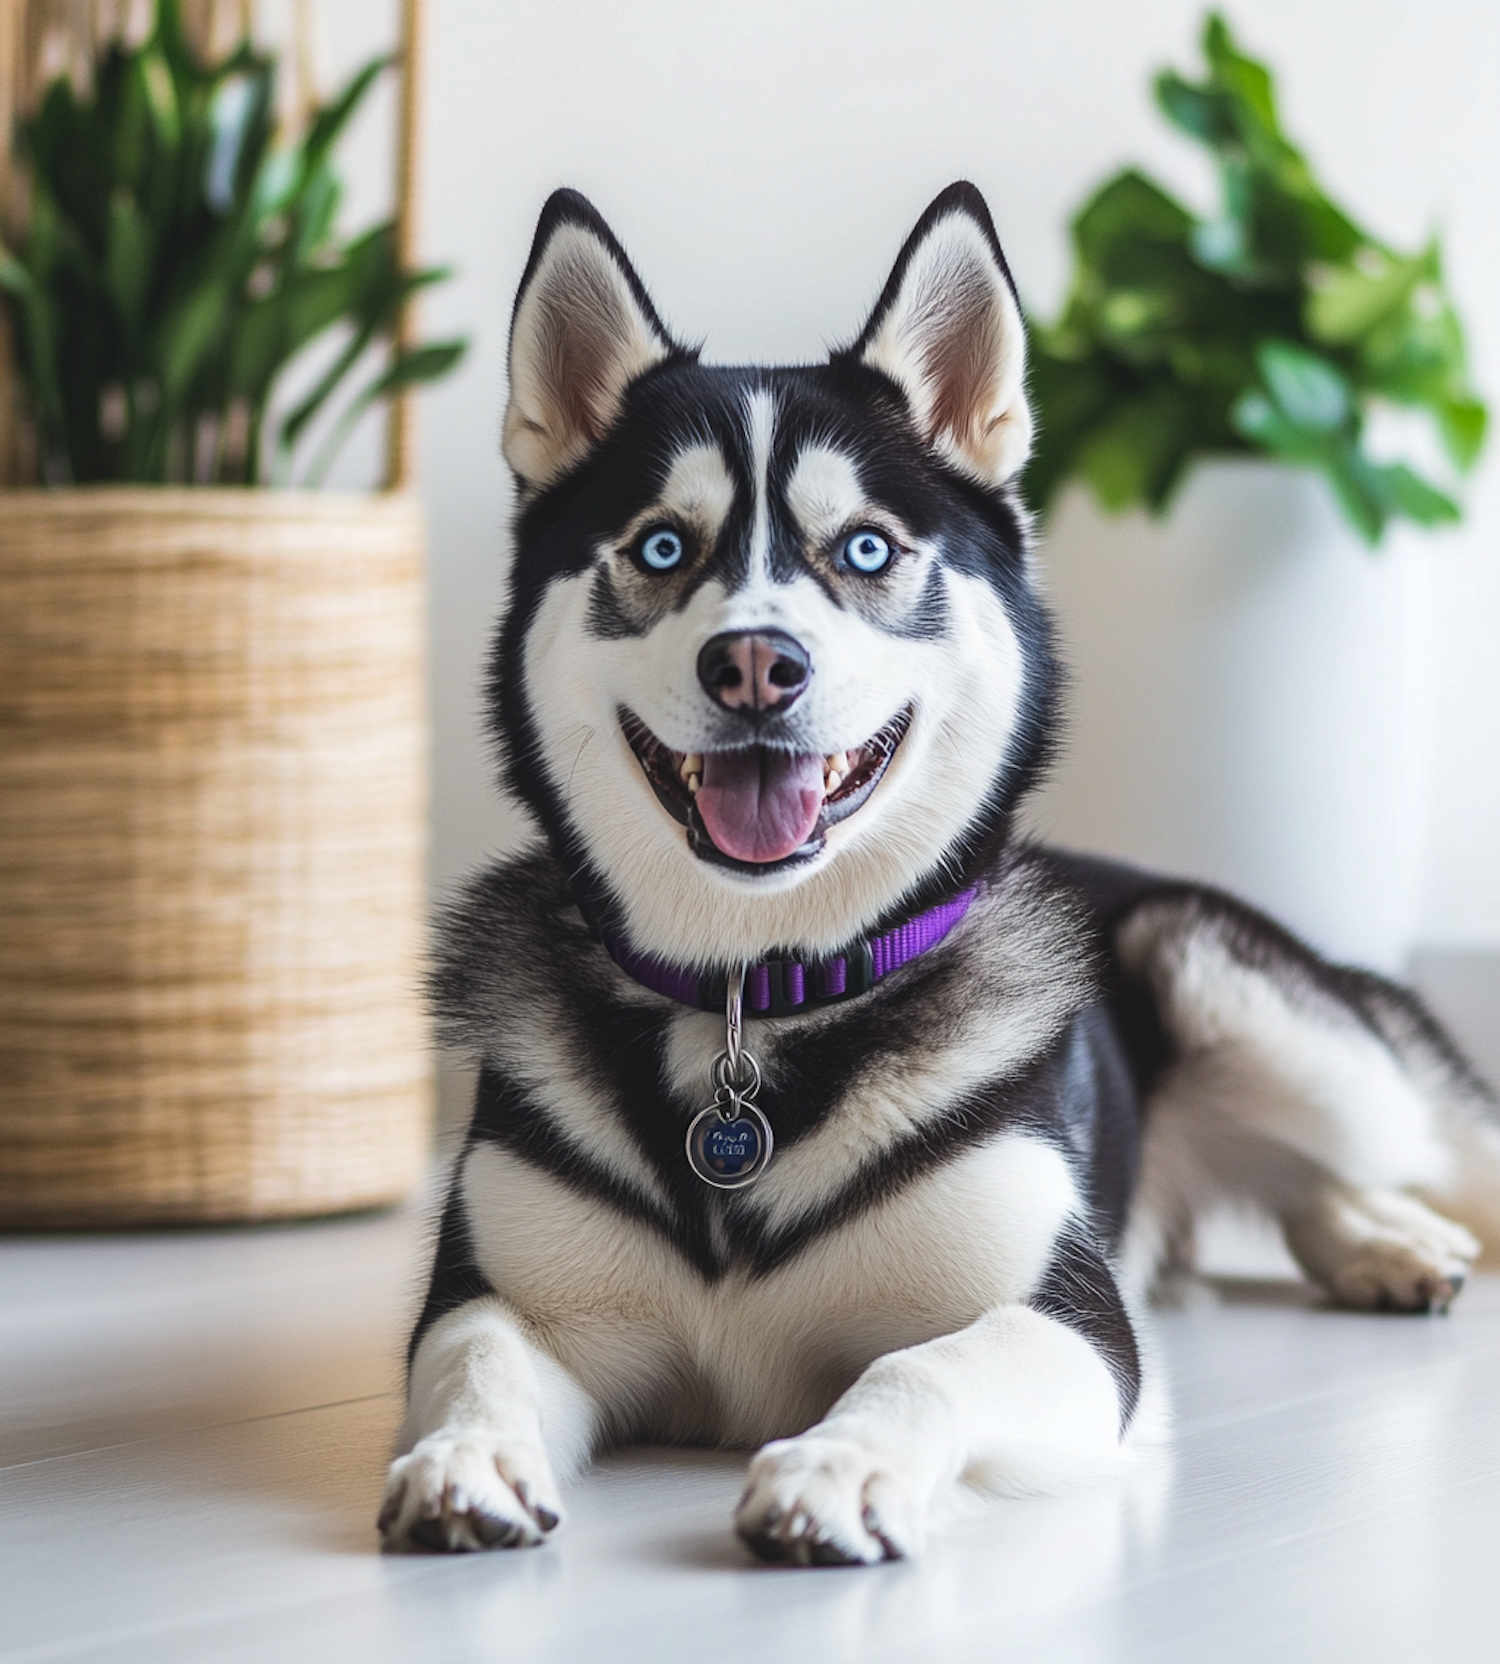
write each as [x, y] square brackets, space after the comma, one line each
[729, 1147]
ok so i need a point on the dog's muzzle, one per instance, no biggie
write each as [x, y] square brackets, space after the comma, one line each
[755, 808]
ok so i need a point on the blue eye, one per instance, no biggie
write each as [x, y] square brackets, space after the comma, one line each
[867, 551]
[662, 550]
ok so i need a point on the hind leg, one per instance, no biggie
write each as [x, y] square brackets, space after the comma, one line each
[1322, 1096]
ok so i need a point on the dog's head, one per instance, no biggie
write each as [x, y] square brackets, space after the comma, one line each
[773, 665]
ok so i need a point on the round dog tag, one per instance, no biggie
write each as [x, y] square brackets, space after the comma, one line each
[729, 1148]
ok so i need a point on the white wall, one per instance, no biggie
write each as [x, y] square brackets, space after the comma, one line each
[763, 161]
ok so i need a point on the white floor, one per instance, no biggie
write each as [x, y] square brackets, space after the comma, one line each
[193, 1427]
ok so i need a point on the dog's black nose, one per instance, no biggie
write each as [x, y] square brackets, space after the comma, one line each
[754, 672]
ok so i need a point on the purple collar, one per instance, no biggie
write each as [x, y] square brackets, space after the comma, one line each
[782, 987]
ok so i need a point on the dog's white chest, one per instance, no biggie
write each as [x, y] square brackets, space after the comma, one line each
[668, 1353]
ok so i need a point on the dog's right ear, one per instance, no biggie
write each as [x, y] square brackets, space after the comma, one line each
[583, 330]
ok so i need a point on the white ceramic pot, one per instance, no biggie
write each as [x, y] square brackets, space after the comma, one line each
[1251, 701]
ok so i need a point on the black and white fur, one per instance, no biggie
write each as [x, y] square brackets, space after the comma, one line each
[981, 1164]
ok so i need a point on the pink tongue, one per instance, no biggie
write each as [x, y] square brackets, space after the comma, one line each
[760, 805]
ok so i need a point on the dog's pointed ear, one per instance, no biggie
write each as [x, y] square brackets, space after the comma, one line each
[584, 329]
[947, 330]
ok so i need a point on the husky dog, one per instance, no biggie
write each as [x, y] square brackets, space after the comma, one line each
[774, 676]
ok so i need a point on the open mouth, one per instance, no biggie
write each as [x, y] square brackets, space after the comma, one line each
[756, 808]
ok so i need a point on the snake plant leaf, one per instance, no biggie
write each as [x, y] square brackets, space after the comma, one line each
[408, 369]
[38, 342]
[122, 92]
[128, 259]
[162, 102]
[193, 249]
[370, 291]
[188, 332]
[382, 313]
[419, 365]
[330, 121]
[315, 216]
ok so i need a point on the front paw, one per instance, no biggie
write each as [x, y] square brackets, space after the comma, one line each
[825, 1499]
[468, 1490]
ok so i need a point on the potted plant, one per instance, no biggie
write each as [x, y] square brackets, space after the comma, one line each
[212, 724]
[1251, 682]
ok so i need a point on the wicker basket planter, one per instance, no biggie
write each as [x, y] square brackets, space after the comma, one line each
[212, 797]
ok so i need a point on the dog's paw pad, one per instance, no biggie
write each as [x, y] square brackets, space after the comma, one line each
[452, 1494]
[825, 1501]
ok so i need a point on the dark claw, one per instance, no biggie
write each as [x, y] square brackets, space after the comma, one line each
[493, 1531]
[1441, 1295]
[539, 1511]
[830, 1554]
[887, 1547]
[429, 1534]
[768, 1547]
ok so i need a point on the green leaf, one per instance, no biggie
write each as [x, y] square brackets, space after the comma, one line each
[38, 344]
[315, 215]
[331, 120]
[1360, 490]
[1258, 420]
[1198, 111]
[1249, 81]
[1414, 497]
[1125, 212]
[179, 250]
[1274, 324]
[419, 364]
[1350, 301]
[1137, 454]
[188, 332]
[127, 259]
[161, 99]
[1308, 390]
[1462, 424]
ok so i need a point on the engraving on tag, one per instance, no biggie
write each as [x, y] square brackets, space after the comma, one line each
[729, 1150]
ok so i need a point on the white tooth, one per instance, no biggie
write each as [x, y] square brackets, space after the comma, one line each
[839, 762]
[690, 764]
[833, 781]
[693, 782]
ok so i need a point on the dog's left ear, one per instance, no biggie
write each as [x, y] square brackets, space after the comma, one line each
[947, 330]
[584, 329]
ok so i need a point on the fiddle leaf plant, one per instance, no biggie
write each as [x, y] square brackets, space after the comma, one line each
[179, 251]
[1277, 327]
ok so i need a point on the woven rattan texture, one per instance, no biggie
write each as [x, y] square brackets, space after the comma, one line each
[212, 810]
